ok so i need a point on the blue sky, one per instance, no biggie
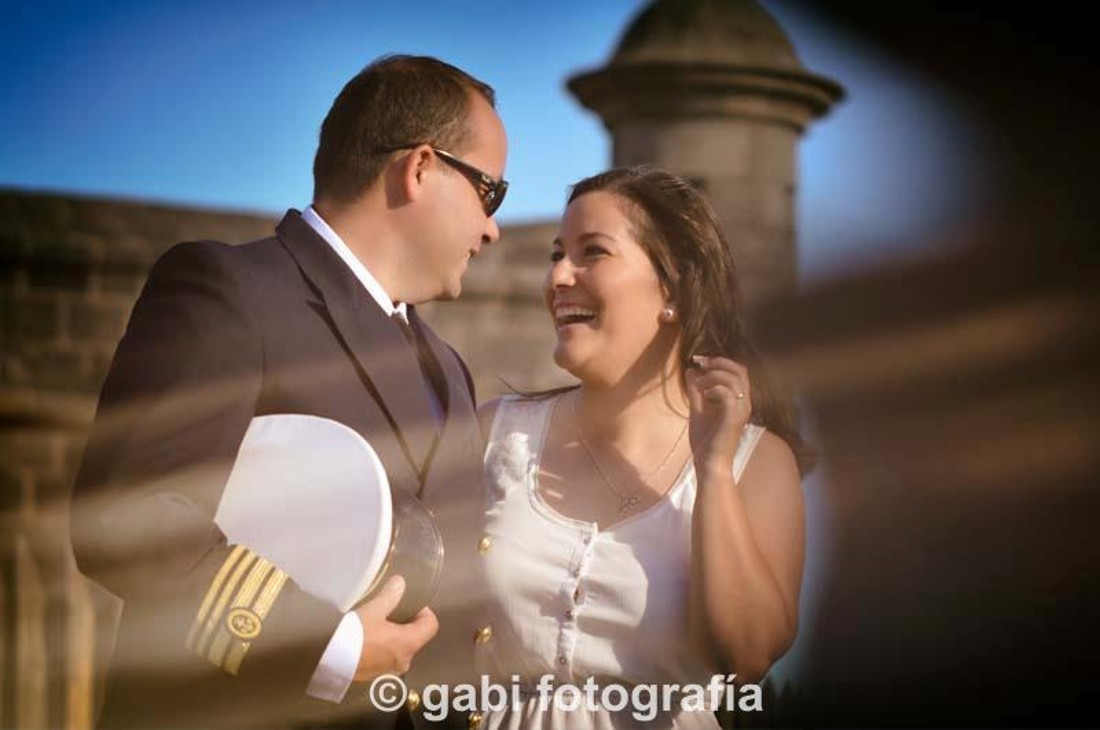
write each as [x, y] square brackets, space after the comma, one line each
[219, 103]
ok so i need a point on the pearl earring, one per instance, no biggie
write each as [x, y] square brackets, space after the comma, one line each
[668, 313]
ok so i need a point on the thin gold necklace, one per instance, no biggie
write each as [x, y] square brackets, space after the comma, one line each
[630, 500]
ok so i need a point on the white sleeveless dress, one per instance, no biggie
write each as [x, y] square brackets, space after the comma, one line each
[568, 599]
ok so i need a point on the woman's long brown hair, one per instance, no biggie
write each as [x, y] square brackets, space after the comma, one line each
[679, 230]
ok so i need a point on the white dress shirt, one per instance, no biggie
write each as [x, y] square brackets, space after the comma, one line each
[336, 669]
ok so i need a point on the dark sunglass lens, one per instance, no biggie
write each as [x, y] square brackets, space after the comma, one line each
[493, 200]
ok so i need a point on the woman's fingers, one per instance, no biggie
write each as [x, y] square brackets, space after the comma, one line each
[718, 393]
[721, 381]
[718, 390]
[721, 364]
[695, 396]
[737, 383]
[708, 362]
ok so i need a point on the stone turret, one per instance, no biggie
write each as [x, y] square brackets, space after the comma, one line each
[713, 90]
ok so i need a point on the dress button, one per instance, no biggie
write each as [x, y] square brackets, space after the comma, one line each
[561, 660]
[483, 634]
[413, 702]
[587, 539]
[569, 613]
[484, 544]
[473, 722]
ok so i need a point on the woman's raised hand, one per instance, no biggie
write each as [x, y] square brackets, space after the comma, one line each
[721, 402]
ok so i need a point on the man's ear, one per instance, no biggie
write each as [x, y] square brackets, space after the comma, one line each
[412, 172]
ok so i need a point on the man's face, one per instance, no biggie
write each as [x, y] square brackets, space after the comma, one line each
[455, 225]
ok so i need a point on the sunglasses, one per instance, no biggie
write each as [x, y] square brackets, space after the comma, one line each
[490, 191]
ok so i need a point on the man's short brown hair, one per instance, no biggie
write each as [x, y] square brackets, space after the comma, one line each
[396, 100]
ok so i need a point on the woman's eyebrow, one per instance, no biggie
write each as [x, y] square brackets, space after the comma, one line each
[584, 237]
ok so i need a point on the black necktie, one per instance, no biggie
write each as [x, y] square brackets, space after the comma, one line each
[429, 368]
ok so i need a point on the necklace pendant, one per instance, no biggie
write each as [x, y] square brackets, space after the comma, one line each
[628, 503]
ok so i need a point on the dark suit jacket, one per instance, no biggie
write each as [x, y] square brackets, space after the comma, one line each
[221, 334]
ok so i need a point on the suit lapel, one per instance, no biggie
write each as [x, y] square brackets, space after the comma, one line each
[375, 342]
[455, 392]
[440, 354]
[448, 362]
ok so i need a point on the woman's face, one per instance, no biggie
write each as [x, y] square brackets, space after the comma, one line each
[603, 293]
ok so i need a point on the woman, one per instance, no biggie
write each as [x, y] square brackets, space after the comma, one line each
[644, 527]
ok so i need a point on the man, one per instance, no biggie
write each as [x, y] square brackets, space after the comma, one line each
[317, 320]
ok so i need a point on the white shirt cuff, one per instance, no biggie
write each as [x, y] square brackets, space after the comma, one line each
[338, 664]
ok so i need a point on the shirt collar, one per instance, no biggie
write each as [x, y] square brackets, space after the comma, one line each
[332, 238]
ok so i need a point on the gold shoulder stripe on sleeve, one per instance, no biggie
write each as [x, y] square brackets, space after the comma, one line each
[223, 630]
[234, 608]
[227, 592]
[259, 611]
[211, 593]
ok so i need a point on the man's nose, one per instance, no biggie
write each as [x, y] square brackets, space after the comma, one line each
[492, 232]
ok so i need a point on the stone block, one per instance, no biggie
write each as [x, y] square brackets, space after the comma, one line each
[97, 322]
[29, 645]
[67, 276]
[7, 315]
[100, 364]
[58, 370]
[80, 632]
[15, 370]
[117, 282]
[41, 451]
[11, 486]
[72, 451]
[10, 276]
[53, 489]
[30, 319]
